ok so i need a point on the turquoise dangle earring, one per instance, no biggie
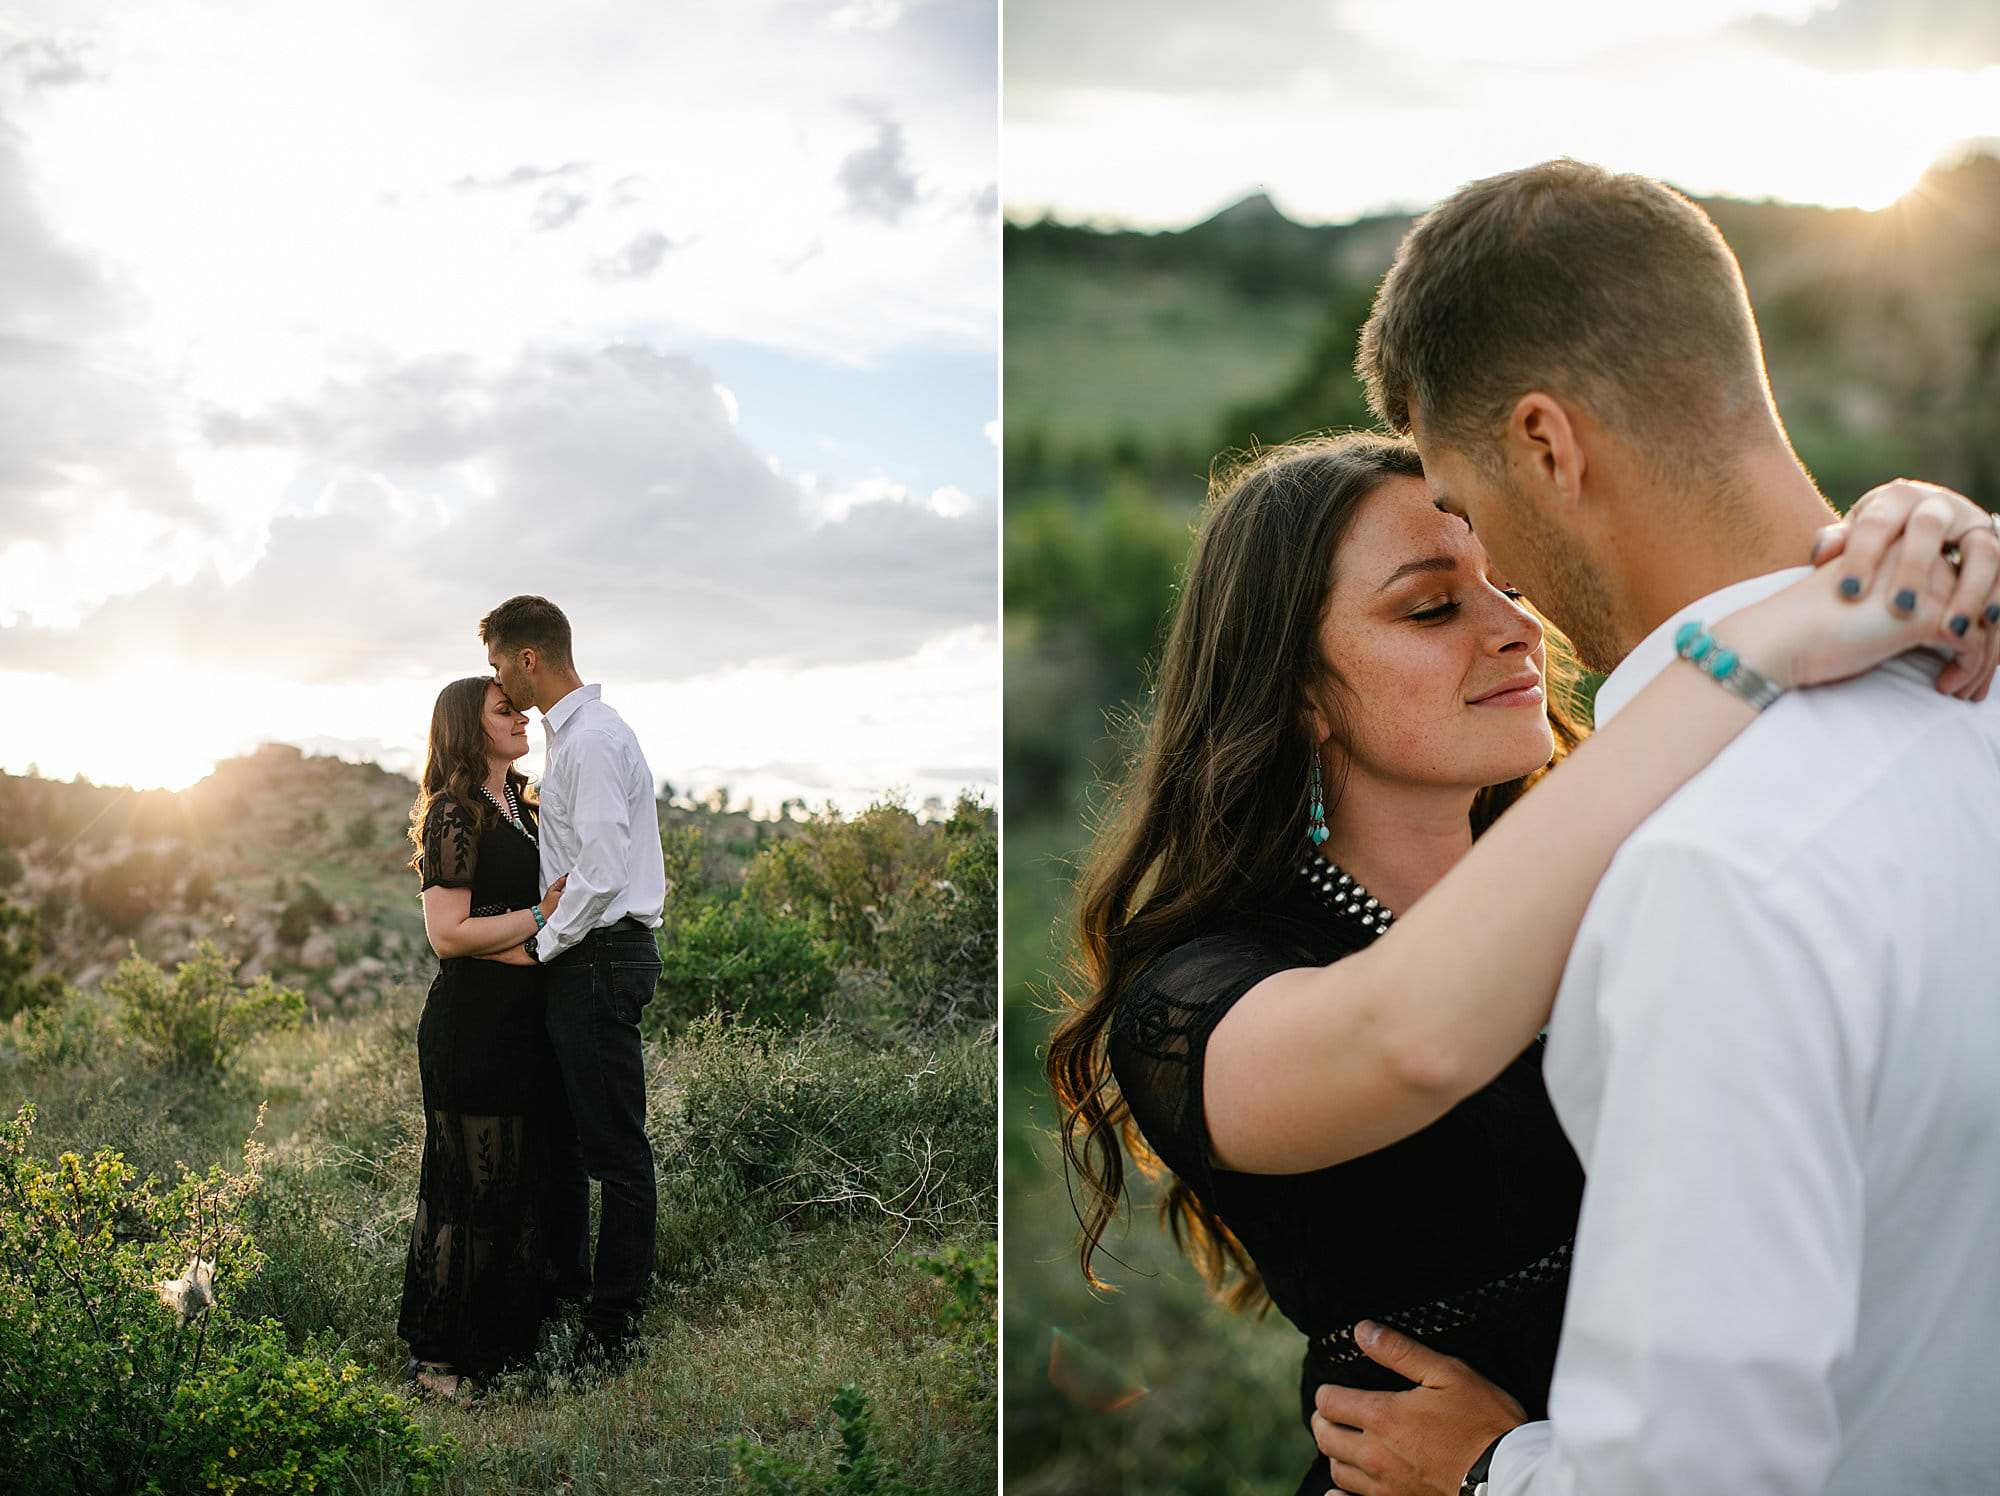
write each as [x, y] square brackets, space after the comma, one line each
[1316, 831]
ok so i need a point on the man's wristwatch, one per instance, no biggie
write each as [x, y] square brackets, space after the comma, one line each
[528, 945]
[1474, 1483]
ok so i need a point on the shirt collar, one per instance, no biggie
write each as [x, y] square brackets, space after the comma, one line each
[563, 710]
[1656, 651]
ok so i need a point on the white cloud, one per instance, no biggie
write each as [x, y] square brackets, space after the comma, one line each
[1163, 121]
[836, 505]
[865, 15]
[613, 482]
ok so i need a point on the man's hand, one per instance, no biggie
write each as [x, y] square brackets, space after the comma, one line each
[1415, 1443]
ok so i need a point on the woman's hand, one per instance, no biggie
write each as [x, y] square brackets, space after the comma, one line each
[1932, 521]
[553, 896]
[1814, 632]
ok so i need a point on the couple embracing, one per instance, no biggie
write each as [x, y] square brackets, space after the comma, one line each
[541, 910]
[1614, 1114]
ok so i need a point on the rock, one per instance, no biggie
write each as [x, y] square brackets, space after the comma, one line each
[318, 953]
[364, 973]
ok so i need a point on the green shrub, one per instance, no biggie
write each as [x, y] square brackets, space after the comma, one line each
[125, 893]
[60, 1033]
[939, 948]
[857, 1469]
[841, 876]
[198, 1019]
[11, 869]
[199, 890]
[361, 830]
[306, 911]
[123, 1365]
[741, 959]
[682, 848]
[973, 1277]
[818, 1126]
[20, 949]
[971, 1316]
[334, 1258]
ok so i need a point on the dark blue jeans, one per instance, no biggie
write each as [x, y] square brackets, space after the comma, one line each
[597, 990]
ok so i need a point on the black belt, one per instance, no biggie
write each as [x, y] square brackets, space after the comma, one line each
[630, 925]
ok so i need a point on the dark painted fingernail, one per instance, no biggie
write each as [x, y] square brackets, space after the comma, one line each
[1906, 601]
[1993, 612]
[1850, 586]
[1960, 624]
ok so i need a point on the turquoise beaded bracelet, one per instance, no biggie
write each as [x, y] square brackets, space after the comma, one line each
[1725, 667]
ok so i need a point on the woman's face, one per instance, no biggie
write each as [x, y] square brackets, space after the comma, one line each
[506, 729]
[1443, 667]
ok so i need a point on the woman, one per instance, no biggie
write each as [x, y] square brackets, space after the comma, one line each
[1348, 697]
[476, 1284]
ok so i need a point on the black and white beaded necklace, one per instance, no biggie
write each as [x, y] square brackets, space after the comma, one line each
[511, 810]
[1345, 897]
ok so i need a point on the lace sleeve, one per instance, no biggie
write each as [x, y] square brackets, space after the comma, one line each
[451, 846]
[1159, 1041]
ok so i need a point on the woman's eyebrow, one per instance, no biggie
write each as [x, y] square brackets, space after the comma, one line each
[1411, 568]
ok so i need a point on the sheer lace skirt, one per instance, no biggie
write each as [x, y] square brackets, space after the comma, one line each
[476, 1283]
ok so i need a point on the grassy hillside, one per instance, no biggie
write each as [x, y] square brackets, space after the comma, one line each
[821, 1078]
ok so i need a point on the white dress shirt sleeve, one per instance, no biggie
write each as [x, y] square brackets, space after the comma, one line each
[1716, 1282]
[595, 769]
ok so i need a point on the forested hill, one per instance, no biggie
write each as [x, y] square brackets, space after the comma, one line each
[298, 865]
[1882, 331]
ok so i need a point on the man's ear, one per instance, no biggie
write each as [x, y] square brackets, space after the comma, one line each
[1542, 450]
[529, 658]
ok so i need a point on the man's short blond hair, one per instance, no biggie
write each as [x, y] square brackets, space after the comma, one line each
[1610, 289]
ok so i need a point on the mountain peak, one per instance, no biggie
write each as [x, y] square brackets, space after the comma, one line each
[1254, 209]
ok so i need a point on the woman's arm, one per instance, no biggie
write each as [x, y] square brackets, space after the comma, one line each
[452, 932]
[1318, 1065]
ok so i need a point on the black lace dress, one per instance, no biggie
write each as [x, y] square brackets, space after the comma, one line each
[1459, 1234]
[476, 1285]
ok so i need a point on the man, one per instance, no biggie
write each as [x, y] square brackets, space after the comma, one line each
[598, 825]
[1776, 1046]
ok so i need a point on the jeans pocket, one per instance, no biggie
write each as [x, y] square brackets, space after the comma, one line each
[632, 984]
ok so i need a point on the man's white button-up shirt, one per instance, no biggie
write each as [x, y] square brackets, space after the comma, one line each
[1776, 1049]
[599, 823]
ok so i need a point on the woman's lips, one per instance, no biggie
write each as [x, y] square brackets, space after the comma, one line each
[1528, 694]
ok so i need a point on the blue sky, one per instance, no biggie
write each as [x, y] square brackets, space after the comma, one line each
[321, 332]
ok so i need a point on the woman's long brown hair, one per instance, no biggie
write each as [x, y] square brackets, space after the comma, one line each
[455, 763]
[1209, 817]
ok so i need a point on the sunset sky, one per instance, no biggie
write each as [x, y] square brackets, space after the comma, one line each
[1157, 113]
[324, 330]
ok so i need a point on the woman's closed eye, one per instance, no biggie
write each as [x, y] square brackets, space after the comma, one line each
[1450, 606]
